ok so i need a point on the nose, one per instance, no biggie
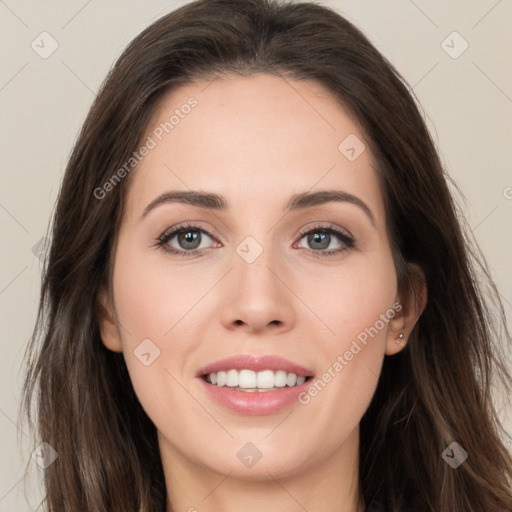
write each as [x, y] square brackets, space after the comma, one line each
[258, 296]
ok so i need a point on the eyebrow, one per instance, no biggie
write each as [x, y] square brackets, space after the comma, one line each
[216, 202]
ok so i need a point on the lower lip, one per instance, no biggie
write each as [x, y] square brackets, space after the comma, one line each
[257, 403]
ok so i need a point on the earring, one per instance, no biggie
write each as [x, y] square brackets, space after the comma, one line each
[400, 338]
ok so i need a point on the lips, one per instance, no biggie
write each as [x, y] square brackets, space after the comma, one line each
[255, 403]
[255, 363]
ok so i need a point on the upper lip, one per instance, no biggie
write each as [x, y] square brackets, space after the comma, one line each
[255, 363]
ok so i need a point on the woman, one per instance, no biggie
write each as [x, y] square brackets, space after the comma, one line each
[259, 295]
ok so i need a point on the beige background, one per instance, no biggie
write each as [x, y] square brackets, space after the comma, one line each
[467, 102]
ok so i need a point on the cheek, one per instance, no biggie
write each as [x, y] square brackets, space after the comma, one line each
[161, 313]
[154, 300]
[356, 306]
[355, 303]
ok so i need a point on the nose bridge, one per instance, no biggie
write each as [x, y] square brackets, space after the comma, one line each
[259, 297]
[253, 263]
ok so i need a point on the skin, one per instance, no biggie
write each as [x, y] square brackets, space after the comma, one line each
[255, 140]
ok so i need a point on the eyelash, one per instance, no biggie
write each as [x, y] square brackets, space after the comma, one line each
[342, 236]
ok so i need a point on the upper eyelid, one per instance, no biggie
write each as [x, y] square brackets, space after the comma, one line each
[192, 225]
[172, 232]
[326, 226]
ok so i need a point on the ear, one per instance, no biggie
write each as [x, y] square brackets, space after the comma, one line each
[412, 305]
[109, 331]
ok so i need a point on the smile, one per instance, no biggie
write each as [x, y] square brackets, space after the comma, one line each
[254, 385]
[251, 381]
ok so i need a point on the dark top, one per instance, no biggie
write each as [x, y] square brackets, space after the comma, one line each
[376, 505]
[380, 504]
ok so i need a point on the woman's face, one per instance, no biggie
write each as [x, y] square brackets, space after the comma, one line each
[255, 272]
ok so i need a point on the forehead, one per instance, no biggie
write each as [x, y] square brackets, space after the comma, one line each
[255, 140]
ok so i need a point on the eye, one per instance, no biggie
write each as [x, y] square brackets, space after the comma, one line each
[188, 238]
[320, 238]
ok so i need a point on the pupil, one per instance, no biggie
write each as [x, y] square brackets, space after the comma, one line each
[322, 238]
[189, 237]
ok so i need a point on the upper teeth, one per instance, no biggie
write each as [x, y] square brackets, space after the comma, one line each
[248, 379]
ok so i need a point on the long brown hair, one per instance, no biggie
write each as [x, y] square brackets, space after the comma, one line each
[435, 392]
